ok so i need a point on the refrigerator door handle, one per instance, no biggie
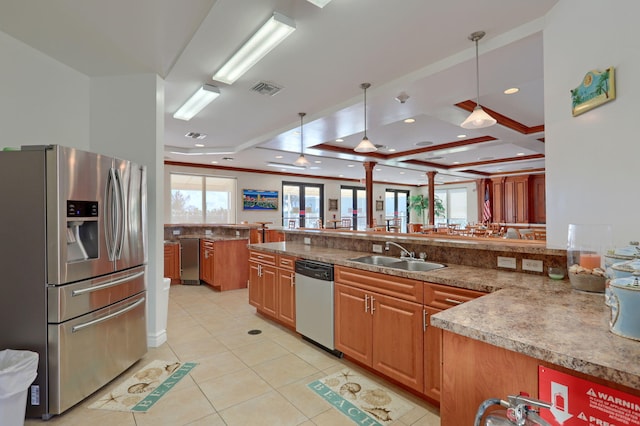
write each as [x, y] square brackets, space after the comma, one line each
[106, 317]
[109, 219]
[107, 285]
[120, 212]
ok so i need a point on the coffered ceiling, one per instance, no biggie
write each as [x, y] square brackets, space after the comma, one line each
[416, 47]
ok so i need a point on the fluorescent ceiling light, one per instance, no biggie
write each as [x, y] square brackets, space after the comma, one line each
[276, 29]
[319, 3]
[284, 165]
[197, 102]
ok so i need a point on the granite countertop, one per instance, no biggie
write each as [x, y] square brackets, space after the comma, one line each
[176, 239]
[529, 314]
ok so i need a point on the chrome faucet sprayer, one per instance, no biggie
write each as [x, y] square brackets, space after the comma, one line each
[404, 253]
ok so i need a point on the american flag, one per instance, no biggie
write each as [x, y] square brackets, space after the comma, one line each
[486, 210]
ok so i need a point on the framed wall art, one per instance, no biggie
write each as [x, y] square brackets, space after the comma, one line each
[333, 204]
[379, 205]
[259, 200]
[597, 88]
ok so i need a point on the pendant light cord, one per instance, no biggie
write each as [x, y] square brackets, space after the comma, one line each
[365, 112]
[477, 77]
[301, 114]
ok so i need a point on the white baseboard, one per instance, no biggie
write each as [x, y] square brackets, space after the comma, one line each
[155, 340]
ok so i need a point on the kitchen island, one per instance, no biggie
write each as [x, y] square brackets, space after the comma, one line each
[526, 320]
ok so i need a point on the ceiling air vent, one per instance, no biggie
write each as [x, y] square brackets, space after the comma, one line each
[266, 88]
[196, 135]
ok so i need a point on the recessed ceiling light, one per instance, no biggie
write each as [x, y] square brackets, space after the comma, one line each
[227, 158]
[317, 161]
[485, 158]
[340, 175]
[511, 91]
[278, 156]
[378, 170]
[195, 135]
[401, 173]
[456, 162]
[462, 136]
[339, 140]
[434, 158]
[391, 150]
[520, 154]
[410, 120]
[214, 162]
[199, 145]
[351, 165]
[424, 143]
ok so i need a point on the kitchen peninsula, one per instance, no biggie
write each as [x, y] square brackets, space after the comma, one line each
[492, 345]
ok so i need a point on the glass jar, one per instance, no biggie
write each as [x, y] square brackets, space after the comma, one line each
[586, 247]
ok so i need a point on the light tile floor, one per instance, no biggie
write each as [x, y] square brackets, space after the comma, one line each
[241, 379]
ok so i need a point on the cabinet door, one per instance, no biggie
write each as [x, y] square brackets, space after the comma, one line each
[432, 356]
[522, 200]
[397, 340]
[353, 322]
[287, 297]
[255, 287]
[538, 205]
[269, 286]
[509, 201]
[172, 261]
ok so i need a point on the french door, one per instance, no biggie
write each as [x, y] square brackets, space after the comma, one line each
[396, 203]
[353, 205]
[302, 204]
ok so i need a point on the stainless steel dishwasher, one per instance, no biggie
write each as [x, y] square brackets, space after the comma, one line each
[190, 261]
[314, 303]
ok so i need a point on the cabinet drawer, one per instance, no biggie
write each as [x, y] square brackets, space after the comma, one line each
[286, 262]
[262, 257]
[444, 297]
[403, 288]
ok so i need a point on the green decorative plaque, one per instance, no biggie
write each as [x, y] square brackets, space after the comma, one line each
[597, 88]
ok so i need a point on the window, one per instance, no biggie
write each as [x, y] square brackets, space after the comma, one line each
[202, 199]
[455, 205]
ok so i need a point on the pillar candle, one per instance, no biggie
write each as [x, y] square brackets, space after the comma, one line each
[590, 260]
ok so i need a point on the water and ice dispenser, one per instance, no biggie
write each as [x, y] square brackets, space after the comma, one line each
[82, 230]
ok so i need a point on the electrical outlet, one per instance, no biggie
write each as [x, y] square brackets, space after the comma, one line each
[506, 262]
[176, 232]
[532, 265]
[208, 232]
[237, 233]
[376, 248]
[307, 240]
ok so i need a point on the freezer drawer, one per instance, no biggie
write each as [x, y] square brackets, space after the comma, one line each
[87, 352]
[72, 300]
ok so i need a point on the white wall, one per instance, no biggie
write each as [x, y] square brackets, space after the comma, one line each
[127, 120]
[41, 100]
[592, 160]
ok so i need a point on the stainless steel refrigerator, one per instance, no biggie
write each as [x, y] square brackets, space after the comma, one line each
[72, 269]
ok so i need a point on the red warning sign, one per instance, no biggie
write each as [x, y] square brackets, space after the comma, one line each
[581, 402]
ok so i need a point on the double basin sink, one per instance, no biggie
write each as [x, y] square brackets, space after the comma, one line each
[404, 264]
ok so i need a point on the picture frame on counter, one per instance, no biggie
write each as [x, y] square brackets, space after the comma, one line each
[253, 199]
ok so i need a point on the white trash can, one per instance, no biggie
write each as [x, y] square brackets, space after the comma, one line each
[18, 369]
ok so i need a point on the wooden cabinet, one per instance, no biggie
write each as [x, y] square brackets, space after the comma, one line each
[378, 322]
[207, 262]
[437, 298]
[272, 288]
[223, 263]
[172, 262]
[538, 205]
[519, 199]
[286, 290]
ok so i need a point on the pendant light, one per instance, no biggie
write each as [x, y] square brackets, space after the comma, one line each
[478, 118]
[365, 144]
[301, 161]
